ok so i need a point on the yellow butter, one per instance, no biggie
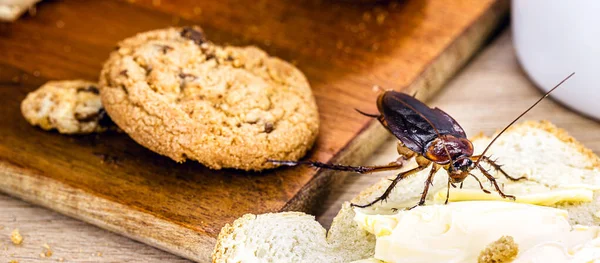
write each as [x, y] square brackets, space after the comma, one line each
[546, 198]
[459, 231]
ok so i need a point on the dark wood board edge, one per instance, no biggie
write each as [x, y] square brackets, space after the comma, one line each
[32, 187]
[432, 79]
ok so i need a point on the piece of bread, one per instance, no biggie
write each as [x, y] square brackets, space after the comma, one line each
[10, 10]
[538, 150]
[502, 250]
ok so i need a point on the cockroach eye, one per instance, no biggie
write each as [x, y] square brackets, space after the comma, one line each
[462, 164]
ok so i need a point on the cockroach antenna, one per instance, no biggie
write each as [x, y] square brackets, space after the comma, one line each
[519, 117]
[367, 114]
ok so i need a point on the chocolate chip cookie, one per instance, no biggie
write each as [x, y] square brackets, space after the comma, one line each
[184, 97]
[69, 106]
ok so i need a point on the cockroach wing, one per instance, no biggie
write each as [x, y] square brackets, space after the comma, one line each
[411, 121]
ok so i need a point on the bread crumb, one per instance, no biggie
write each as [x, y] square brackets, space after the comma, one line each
[47, 252]
[16, 237]
[502, 250]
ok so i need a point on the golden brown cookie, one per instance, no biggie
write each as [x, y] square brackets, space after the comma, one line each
[225, 107]
[69, 106]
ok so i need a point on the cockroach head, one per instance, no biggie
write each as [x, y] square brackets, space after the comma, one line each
[459, 169]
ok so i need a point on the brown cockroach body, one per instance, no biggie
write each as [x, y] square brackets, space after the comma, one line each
[431, 136]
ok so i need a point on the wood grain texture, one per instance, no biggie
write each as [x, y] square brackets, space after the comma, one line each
[493, 84]
[110, 181]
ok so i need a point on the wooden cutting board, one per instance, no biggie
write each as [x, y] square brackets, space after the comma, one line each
[343, 47]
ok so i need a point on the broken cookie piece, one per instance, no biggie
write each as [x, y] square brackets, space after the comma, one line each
[69, 106]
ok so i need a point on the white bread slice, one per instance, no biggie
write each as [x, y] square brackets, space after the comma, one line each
[545, 154]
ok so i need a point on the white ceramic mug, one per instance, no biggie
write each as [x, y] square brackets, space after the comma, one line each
[554, 38]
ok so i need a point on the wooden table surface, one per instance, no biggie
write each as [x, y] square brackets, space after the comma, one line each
[485, 96]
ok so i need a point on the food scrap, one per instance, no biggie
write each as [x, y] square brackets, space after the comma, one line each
[47, 252]
[16, 237]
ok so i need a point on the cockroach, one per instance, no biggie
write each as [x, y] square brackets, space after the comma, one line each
[429, 135]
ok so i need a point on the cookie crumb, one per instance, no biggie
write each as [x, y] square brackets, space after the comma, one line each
[16, 237]
[502, 250]
[47, 252]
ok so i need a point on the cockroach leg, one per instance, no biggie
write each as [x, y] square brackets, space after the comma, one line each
[357, 169]
[493, 181]
[498, 168]
[391, 187]
[480, 185]
[461, 185]
[448, 192]
[428, 183]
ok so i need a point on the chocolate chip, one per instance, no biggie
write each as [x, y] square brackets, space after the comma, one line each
[123, 73]
[194, 35]
[269, 127]
[187, 75]
[86, 117]
[124, 89]
[100, 116]
[165, 48]
[229, 58]
[92, 89]
[210, 56]
[104, 120]
[148, 69]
